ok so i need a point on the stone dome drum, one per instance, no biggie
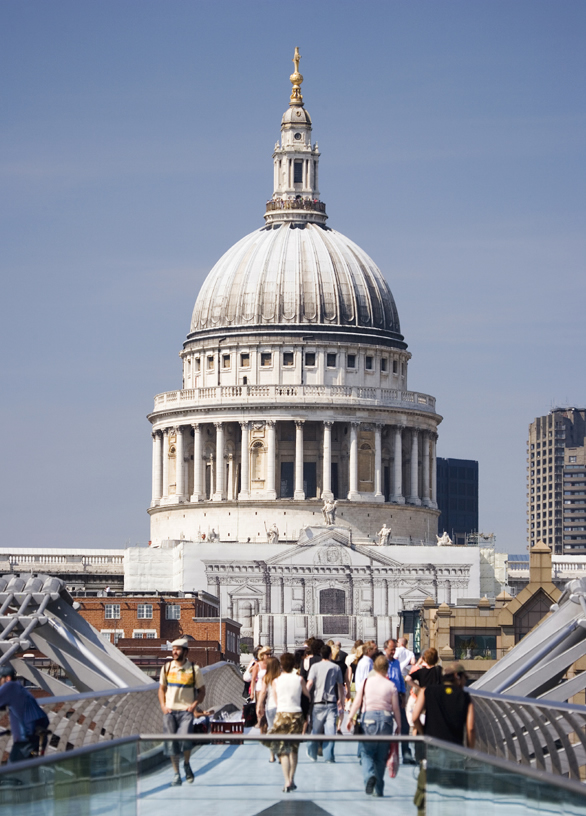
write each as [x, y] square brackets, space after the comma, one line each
[297, 274]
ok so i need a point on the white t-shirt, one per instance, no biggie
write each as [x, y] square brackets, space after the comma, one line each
[288, 689]
[404, 656]
[363, 669]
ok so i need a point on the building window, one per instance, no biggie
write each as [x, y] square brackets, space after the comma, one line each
[144, 633]
[112, 611]
[225, 361]
[368, 363]
[472, 646]
[245, 360]
[331, 360]
[144, 611]
[395, 367]
[351, 361]
[572, 458]
[402, 369]
[310, 359]
[297, 172]
[383, 364]
[210, 363]
[173, 612]
[266, 359]
[288, 358]
[112, 635]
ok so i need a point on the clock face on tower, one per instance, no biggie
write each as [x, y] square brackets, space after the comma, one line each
[298, 136]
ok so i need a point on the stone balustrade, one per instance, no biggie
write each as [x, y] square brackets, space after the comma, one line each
[297, 394]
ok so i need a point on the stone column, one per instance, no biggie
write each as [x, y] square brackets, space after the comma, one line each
[327, 462]
[271, 454]
[397, 497]
[157, 468]
[378, 463]
[426, 485]
[165, 495]
[197, 464]
[353, 494]
[179, 468]
[299, 493]
[414, 491]
[244, 462]
[433, 496]
[219, 495]
[230, 491]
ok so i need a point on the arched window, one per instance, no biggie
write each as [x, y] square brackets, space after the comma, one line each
[257, 461]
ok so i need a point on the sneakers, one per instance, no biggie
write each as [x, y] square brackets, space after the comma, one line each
[370, 785]
[188, 772]
[176, 780]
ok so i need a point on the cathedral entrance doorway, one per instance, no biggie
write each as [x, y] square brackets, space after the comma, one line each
[332, 602]
[310, 480]
[287, 480]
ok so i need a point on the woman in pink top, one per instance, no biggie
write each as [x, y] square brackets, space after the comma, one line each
[378, 700]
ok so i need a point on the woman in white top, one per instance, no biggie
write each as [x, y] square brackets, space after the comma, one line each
[287, 691]
[266, 705]
[258, 672]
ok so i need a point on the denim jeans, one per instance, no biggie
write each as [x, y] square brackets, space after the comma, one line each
[323, 721]
[375, 754]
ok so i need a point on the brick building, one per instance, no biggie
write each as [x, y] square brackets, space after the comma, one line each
[127, 618]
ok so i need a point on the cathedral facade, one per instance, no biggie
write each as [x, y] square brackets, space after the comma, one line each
[294, 461]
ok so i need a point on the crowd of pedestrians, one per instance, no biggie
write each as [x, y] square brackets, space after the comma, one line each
[373, 691]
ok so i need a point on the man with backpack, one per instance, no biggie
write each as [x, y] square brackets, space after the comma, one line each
[181, 690]
[28, 721]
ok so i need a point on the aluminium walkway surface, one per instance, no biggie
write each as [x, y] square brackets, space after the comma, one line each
[239, 780]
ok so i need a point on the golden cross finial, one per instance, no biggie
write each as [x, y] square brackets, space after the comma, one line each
[296, 59]
[296, 80]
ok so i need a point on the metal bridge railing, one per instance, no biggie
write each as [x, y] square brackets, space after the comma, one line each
[544, 735]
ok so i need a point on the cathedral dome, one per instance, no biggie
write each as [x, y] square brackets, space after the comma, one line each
[297, 274]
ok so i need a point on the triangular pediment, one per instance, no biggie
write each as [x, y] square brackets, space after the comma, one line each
[330, 546]
[246, 591]
[415, 593]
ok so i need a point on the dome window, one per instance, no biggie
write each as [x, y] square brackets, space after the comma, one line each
[331, 360]
[383, 364]
[369, 363]
[310, 359]
[210, 363]
[287, 358]
[266, 359]
[245, 360]
[297, 172]
[225, 361]
[395, 367]
[351, 361]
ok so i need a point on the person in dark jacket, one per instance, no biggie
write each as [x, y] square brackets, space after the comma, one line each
[28, 721]
[449, 710]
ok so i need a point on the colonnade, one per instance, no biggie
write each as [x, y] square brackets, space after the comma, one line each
[421, 468]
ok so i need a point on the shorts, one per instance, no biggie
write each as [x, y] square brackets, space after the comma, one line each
[178, 722]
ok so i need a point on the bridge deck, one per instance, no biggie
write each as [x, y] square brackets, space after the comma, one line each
[239, 780]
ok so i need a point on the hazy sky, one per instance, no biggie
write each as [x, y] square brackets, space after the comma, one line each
[136, 142]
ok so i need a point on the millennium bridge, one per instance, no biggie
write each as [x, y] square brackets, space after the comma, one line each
[106, 752]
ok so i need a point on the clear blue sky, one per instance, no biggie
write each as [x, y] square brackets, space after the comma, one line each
[136, 148]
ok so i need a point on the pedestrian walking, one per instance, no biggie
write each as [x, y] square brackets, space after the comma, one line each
[326, 685]
[181, 690]
[365, 663]
[396, 676]
[377, 701]
[449, 710]
[266, 706]
[28, 722]
[288, 689]
[404, 655]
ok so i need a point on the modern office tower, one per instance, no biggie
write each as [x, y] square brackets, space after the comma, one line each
[556, 481]
[457, 498]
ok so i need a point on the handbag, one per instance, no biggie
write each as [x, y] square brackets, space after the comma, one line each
[358, 729]
[393, 760]
[249, 714]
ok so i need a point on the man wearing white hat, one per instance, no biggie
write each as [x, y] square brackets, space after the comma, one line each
[181, 690]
